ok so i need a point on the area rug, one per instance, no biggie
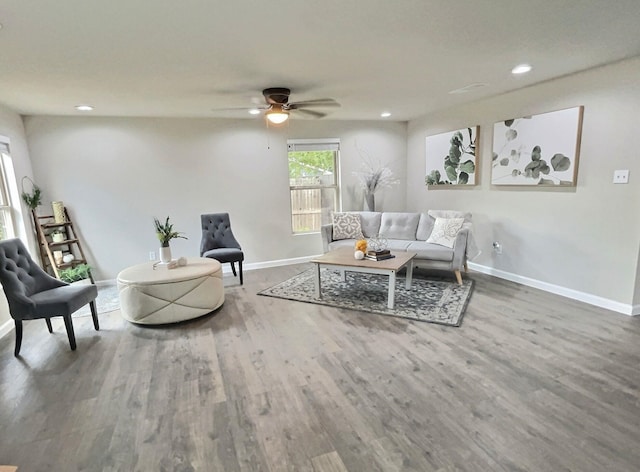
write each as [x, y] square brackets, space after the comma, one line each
[430, 299]
[107, 301]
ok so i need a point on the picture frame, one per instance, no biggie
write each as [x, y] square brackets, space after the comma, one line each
[451, 158]
[539, 150]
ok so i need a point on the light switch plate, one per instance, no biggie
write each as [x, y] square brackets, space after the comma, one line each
[620, 176]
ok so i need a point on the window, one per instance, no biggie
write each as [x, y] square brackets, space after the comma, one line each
[313, 182]
[6, 212]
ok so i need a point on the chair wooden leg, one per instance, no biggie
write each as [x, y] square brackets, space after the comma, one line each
[70, 334]
[94, 314]
[49, 327]
[233, 269]
[18, 324]
[240, 269]
[458, 277]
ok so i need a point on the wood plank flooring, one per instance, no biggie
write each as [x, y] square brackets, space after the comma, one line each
[530, 382]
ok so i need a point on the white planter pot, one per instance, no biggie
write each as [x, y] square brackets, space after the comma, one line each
[165, 254]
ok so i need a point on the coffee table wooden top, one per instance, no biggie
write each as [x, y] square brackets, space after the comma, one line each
[343, 256]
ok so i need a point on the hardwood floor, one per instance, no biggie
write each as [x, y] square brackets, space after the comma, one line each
[530, 382]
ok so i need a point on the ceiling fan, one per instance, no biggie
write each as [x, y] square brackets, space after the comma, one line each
[278, 106]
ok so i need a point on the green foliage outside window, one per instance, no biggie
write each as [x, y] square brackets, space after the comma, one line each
[311, 164]
[313, 187]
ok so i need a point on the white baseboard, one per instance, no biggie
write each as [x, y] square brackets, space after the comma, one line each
[595, 300]
[226, 268]
[6, 328]
[632, 310]
[276, 263]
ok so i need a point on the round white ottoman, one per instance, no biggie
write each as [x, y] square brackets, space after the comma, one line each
[161, 295]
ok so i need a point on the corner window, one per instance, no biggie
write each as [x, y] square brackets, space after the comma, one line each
[313, 182]
[6, 212]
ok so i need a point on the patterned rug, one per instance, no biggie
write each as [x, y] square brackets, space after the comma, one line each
[430, 299]
[107, 301]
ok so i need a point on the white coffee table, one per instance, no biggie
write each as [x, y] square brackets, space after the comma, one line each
[343, 259]
[152, 294]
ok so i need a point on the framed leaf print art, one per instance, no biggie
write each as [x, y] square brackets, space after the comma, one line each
[451, 158]
[540, 150]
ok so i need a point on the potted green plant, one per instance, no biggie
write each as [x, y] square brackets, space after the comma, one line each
[57, 236]
[165, 233]
[76, 273]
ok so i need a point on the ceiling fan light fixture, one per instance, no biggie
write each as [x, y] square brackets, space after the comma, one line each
[276, 114]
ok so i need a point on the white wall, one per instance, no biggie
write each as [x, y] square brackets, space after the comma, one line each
[11, 127]
[115, 174]
[584, 239]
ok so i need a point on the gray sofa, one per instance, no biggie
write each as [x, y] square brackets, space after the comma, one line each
[409, 232]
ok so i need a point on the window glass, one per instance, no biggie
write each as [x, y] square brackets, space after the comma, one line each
[313, 183]
[6, 212]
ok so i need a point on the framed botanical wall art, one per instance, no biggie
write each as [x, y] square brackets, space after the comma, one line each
[541, 150]
[451, 157]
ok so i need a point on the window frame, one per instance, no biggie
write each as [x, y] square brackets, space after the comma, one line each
[320, 144]
[6, 203]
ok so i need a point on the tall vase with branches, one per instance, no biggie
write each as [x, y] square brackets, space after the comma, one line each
[372, 178]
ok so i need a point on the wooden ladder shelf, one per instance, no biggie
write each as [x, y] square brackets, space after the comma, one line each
[46, 226]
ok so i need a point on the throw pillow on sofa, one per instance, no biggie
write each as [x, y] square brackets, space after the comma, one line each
[347, 226]
[445, 231]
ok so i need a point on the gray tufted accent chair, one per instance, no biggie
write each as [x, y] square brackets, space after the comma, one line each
[218, 241]
[34, 294]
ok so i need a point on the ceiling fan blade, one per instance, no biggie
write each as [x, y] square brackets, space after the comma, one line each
[315, 114]
[261, 107]
[320, 102]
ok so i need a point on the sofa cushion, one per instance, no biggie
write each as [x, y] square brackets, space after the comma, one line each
[399, 225]
[343, 243]
[370, 221]
[425, 226]
[346, 226]
[398, 244]
[431, 251]
[445, 231]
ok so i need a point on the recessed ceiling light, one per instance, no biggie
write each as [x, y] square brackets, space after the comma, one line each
[385, 114]
[254, 111]
[84, 107]
[521, 69]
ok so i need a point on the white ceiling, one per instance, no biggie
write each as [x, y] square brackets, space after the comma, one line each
[185, 58]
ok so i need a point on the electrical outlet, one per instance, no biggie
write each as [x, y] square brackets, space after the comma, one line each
[152, 255]
[497, 247]
[620, 176]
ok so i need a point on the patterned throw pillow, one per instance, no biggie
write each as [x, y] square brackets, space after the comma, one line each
[445, 231]
[347, 226]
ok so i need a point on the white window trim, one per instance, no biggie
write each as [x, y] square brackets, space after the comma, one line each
[307, 144]
[6, 188]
